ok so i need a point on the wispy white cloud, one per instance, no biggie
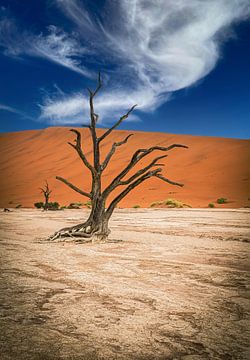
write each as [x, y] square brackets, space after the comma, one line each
[54, 45]
[74, 109]
[8, 108]
[158, 47]
[154, 48]
[14, 111]
[60, 48]
[167, 44]
[10, 40]
[76, 11]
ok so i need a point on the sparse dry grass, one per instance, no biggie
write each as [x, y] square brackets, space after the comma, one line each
[171, 203]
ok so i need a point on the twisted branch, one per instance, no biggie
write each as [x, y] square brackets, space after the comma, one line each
[78, 148]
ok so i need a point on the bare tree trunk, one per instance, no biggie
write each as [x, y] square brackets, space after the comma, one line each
[99, 222]
[46, 204]
[94, 229]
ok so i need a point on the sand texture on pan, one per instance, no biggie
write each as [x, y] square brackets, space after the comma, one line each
[175, 287]
[210, 169]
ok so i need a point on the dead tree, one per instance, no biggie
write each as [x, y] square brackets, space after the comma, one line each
[46, 193]
[95, 228]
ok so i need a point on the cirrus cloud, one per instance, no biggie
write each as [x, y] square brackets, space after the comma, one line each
[151, 48]
[157, 47]
[53, 45]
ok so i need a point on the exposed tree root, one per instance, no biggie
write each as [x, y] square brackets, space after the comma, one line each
[81, 233]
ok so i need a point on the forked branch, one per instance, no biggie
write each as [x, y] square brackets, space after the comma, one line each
[46, 191]
[130, 187]
[74, 187]
[93, 116]
[142, 171]
[78, 148]
[93, 120]
[122, 118]
[138, 155]
[112, 151]
[92, 94]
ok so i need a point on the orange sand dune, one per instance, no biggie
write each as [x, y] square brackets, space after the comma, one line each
[211, 168]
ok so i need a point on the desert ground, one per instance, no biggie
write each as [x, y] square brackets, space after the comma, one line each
[210, 168]
[170, 284]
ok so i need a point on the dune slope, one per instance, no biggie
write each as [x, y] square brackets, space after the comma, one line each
[211, 168]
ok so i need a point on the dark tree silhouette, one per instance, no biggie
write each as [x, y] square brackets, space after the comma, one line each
[95, 228]
[46, 193]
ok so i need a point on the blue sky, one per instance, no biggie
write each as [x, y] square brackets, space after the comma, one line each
[185, 63]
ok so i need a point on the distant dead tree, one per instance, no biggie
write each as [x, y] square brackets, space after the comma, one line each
[46, 193]
[95, 228]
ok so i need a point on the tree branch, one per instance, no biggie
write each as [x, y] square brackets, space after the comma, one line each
[94, 117]
[74, 187]
[142, 171]
[93, 120]
[167, 180]
[141, 153]
[130, 187]
[147, 175]
[112, 151]
[99, 85]
[46, 191]
[78, 148]
[138, 155]
[122, 118]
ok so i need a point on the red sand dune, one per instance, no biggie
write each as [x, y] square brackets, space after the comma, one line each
[211, 168]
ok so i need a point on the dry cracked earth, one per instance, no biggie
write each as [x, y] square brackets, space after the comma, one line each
[170, 284]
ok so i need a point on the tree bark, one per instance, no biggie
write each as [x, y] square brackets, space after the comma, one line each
[94, 229]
